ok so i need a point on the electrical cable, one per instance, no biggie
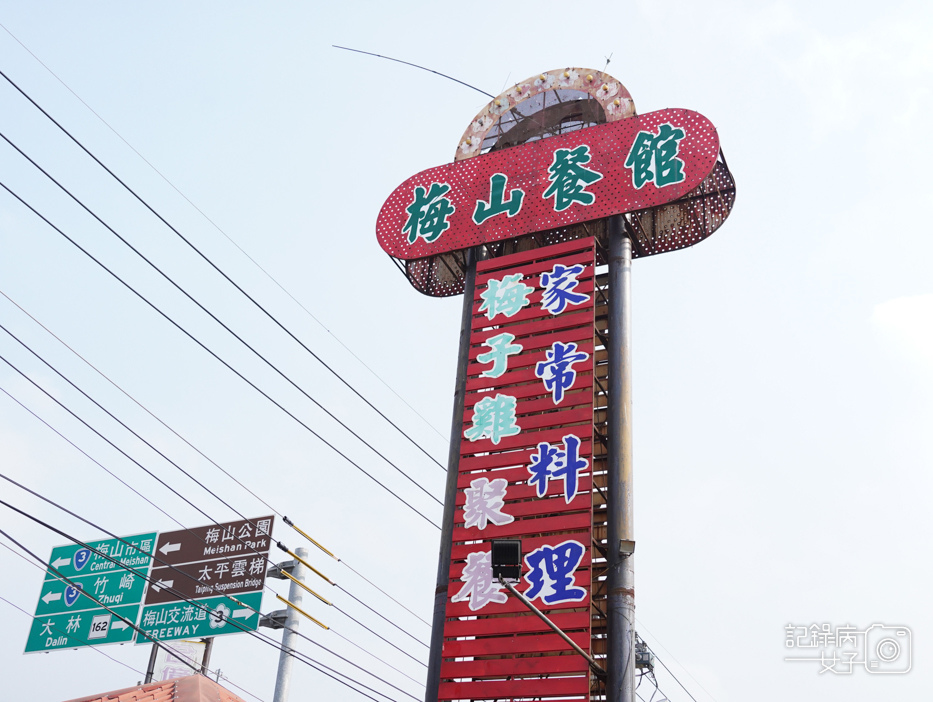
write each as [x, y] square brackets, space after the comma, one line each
[279, 544]
[225, 235]
[138, 403]
[205, 514]
[212, 264]
[642, 626]
[93, 648]
[672, 675]
[154, 556]
[90, 458]
[58, 574]
[212, 353]
[203, 455]
[221, 323]
[124, 425]
[148, 579]
[415, 65]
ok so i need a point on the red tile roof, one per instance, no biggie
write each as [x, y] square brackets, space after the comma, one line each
[194, 688]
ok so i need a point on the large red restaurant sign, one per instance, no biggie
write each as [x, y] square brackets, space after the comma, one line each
[525, 472]
[623, 166]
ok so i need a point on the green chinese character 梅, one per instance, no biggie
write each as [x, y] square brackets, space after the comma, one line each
[428, 213]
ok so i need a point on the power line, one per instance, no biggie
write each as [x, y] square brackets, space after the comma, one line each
[148, 579]
[672, 674]
[163, 562]
[225, 235]
[93, 648]
[642, 626]
[61, 577]
[186, 473]
[125, 426]
[213, 265]
[90, 458]
[212, 353]
[139, 404]
[415, 65]
[221, 323]
[209, 517]
[203, 455]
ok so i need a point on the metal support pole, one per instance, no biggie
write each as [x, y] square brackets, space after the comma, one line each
[206, 658]
[594, 666]
[289, 637]
[150, 670]
[450, 491]
[620, 662]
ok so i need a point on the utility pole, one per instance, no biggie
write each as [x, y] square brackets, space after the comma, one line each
[289, 619]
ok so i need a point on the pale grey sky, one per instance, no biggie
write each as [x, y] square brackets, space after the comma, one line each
[783, 368]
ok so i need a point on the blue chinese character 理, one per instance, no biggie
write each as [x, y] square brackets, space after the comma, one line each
[550, 573]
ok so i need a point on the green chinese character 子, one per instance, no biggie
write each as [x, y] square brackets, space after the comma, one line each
[428, 214]
[569, 178]
[497, 203]
[654, 157]
[501, 347]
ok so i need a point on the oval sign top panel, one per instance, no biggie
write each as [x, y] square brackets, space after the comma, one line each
[632, 164]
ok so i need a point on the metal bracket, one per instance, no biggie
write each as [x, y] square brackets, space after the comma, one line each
[274, 620]
[276, 570]
[594, 666]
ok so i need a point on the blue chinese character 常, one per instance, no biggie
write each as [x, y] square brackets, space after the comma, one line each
[557, 370]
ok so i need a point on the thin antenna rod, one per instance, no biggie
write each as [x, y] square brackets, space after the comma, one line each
[443, 75]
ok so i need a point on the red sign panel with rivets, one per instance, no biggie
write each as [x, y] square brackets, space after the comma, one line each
[623, 166]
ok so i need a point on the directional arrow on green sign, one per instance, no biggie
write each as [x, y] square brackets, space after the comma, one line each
[90, 627]
[211, 616]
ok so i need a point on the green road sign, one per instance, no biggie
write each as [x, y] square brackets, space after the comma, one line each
[89, 627]
[75, 560]
[114, 588]
[183, 620]
[67, 617]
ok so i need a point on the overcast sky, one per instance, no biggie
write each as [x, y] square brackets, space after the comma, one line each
[783, 378]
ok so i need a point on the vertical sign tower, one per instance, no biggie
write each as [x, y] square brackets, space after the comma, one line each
[557, 185]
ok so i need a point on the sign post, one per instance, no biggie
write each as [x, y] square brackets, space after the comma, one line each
[621, 572]
[555, 181]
